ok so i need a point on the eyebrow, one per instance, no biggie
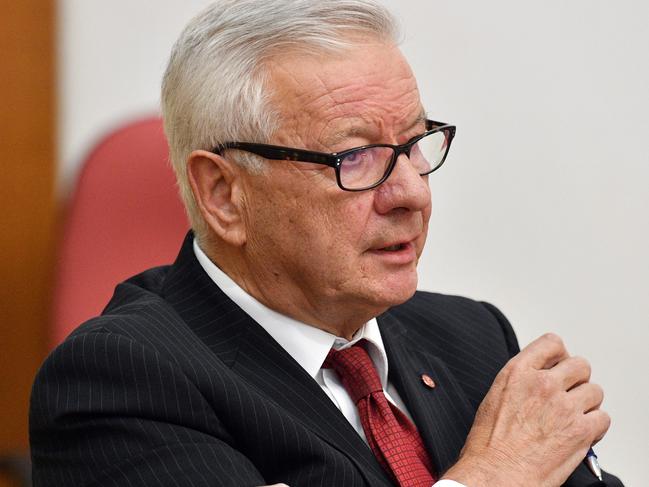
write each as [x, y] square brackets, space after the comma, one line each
[421, 118]
[355, 131]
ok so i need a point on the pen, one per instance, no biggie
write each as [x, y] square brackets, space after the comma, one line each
[593, 464]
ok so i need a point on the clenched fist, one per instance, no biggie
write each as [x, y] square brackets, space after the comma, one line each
[537, 422]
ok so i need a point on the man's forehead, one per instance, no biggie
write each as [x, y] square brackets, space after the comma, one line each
[367, 91]
[373, 128]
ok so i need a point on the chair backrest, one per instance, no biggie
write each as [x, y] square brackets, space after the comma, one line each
[123, 217]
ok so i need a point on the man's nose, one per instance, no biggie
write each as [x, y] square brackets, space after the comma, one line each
[404, 188]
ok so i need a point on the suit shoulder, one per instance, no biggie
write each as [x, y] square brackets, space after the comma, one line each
[137, 310]
[457, 319]
[427, 299]
[428, 305]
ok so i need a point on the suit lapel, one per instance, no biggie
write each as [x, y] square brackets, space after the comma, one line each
[443, 414]
[267, 366]
[243, 345]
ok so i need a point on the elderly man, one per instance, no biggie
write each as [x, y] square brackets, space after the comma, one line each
[287, 343]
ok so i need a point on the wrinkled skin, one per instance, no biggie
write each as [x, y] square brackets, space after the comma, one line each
[310, 248]
[537, 422]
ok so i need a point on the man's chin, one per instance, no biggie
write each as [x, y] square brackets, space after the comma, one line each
[404, 297]
[394, 292]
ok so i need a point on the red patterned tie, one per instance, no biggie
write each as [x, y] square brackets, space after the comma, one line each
[391, 435]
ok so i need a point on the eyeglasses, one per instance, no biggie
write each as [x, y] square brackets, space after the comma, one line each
[365, 167]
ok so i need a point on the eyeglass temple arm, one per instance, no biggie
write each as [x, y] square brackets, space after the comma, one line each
[280, 153]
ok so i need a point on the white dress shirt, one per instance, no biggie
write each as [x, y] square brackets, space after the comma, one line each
[309, 347]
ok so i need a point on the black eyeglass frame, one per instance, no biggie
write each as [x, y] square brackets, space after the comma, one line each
[335, 159]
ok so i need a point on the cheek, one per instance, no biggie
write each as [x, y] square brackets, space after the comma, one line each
[321, 222]
[424, 235]
[427, 214]
[351, 223]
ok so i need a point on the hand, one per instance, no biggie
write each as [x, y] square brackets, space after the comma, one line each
[536, 423]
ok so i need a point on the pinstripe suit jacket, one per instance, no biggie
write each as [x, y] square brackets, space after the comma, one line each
[175, 385]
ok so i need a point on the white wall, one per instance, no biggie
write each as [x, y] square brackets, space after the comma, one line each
[542, 207]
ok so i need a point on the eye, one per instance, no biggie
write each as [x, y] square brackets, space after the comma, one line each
[357, 158]
[365, 167]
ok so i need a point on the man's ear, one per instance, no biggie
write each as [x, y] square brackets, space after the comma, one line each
[216, 184]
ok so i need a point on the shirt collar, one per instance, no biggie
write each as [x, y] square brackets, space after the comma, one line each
[307, 344]
[372, 335]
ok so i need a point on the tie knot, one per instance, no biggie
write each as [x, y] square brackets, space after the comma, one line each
[356, 371]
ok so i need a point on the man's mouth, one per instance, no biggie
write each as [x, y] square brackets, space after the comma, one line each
[397, 253]
[393, 248]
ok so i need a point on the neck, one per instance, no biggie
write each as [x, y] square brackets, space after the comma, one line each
[285, 297]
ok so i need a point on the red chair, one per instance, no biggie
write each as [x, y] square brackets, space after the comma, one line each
[124, 216]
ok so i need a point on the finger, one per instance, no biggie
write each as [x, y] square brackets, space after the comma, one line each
[588, 397]
[544, 352]
[571, 372]
[600, 422]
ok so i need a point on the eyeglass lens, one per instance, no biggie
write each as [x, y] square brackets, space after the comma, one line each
[367, 167]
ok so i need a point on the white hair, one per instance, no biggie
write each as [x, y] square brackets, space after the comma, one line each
[215, 87]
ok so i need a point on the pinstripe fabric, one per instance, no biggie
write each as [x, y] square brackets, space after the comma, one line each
[175, 385]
